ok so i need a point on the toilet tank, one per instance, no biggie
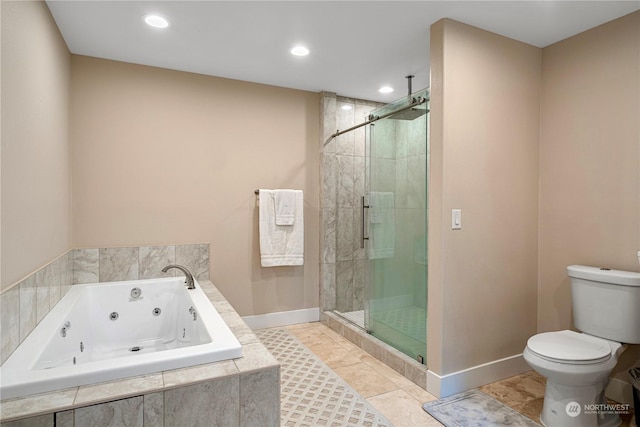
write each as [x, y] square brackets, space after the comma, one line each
[606, 303]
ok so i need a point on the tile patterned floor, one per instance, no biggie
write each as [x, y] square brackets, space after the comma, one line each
[396, 397]
[311, 393]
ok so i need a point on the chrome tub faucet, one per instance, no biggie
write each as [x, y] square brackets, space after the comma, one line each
[187, 275]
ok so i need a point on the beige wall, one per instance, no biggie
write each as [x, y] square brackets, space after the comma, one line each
[485, 97]
[590, 162]
[163, 157]
[36, 174]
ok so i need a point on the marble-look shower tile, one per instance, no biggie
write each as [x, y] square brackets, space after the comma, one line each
[417, 137]
[383, 175]
[195, 258]
[401, 139]
[344, 235]
[417, 185]
[153, 410]
[28, 306]
[358, 233]
[358, 180]
[153, 259]
[328, 177]
[125, 412]
[212, 403]
[401, 183]
[362, 111]
[359, 284]
[344, 286]
[86, 265]
[118, 264]
[383, 139]
[344, 181]
[260, 398]
[328, 243]
[9, 322]
[328, 180]
[328, 287]
[328, 110]
[345, 119]
[42, 295]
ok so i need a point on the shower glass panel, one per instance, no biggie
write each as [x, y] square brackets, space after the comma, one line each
[396, 227]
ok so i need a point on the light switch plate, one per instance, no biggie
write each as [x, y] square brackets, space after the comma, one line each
[456, 219]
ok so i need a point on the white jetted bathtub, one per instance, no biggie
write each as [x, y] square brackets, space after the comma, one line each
[106, 331]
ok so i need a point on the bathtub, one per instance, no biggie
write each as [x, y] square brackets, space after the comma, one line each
[107, 331]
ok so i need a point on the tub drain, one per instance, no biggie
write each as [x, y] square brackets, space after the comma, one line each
[136, 348]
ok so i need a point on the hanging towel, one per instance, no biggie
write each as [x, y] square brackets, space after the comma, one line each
[285, 201]
[280, 244]
[382, 225]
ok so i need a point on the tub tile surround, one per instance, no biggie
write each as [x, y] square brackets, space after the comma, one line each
[26, 303]
[242, 391]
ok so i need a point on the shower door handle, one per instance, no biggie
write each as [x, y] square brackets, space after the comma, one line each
[363, 224]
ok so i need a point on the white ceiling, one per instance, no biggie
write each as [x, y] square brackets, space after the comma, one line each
[356, 46]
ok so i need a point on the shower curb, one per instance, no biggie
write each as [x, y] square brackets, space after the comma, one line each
[395, 359]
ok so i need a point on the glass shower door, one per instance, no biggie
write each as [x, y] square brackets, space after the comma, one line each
[396, 196]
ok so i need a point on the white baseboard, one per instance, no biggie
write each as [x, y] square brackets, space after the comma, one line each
[620, 391]
[282, 318]
[457, 382]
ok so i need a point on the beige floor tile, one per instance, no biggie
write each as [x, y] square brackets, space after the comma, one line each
[403, 410]
[518, 389]
[365, 380]
[420, 394]
[390, 373]
[311, 336]
[333, 354]
[531, 409]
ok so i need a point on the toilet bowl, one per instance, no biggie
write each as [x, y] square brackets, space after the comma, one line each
[577, 366]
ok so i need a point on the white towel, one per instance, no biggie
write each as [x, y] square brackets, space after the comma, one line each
[285, 201]
[382, 225]
[280, 244]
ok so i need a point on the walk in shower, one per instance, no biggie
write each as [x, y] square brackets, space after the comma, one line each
[374, 208]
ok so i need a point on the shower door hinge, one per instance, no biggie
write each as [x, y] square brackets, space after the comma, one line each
[420, 359]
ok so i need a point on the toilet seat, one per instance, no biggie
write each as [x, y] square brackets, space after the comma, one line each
[569, 347]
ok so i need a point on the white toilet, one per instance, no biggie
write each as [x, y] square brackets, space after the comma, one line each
[606, 308]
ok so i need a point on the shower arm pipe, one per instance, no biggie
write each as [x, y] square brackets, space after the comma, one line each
[414, 101]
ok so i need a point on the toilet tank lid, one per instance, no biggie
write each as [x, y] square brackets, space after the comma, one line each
[598, 274]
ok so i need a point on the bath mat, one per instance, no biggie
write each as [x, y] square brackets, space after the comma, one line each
[311, 394]
[475, 409]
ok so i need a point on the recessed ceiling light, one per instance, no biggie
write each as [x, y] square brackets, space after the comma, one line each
[156, 21]
[385, 89]
[300, 51]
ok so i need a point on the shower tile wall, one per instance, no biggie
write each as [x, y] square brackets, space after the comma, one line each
[342, 175]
